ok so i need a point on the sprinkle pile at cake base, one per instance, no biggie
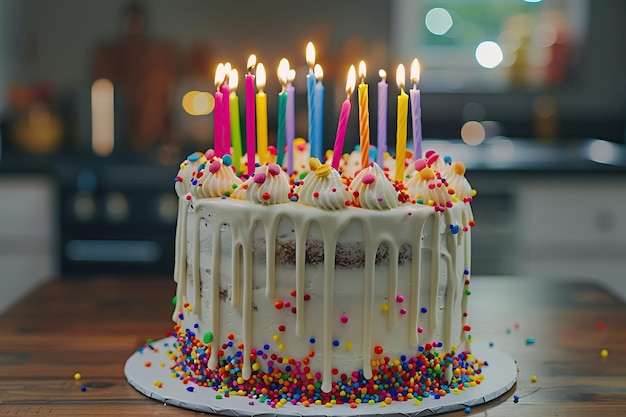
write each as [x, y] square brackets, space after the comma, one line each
[278, 380]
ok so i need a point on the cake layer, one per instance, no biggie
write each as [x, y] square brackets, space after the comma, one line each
[335, 290]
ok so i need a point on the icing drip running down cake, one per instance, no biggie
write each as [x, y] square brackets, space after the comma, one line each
[320, 288]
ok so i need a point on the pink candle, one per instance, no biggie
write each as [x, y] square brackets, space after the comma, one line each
[343, 119]
[383, 90]
[250, 115]
[226, 138]
[217, 122]
[218, 117]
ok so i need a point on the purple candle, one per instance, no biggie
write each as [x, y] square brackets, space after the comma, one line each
[383, 90]
[416, 110]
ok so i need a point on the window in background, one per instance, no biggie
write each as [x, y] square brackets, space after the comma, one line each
[489, 45]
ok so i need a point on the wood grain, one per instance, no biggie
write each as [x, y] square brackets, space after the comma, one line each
[92, 326]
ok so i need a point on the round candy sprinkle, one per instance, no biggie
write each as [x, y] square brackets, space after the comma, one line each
[273, 169]
[344, 318]
[424, 310]
[604, 353]
[468, 410]
[516, 399]
[601, 326]
[530, 341]
[227, 160]
[259, 178]
[77, 376]
[399, 298]
[369, 178]
[83, 388]
[533, 378]
[208, 337]
[215, 166]
[378, 350]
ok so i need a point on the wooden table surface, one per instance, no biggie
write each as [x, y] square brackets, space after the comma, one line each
[92, 326]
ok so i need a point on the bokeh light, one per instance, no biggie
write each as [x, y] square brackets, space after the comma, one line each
[198, 103]
[438, 21]
[473, 133]
[489, 54]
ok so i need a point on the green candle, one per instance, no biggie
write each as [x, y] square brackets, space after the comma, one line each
[235, 127]
[281, 135]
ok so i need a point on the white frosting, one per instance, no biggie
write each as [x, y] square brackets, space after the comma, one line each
[187, 171]
[217, 179]
[324, 189]
[374, 190]
[457, 182]
[357, 277]
[269, 185]
[221, 258]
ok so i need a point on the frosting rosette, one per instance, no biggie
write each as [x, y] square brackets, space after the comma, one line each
[425, 188]
[373, 190]
[268, 185]
[187, 173]
[323, 188]
[218, 178]
[459, 184]
[439, 164]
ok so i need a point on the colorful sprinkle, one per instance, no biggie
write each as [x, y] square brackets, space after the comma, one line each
[604, 353]
[77, 376]
[533, 378]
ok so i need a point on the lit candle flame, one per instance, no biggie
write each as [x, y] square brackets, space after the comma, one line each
[283, 71]
[400, 76]
[362, 71]
[291, 75]
[220, 73]
[382, 74]
[415, 72]
[227, 69]
[251, 63]
[319, 72]
[351, 80]
[310, 55]
[233, 81]
[260, 76]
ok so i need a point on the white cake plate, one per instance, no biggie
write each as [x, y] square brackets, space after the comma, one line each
[500, 376]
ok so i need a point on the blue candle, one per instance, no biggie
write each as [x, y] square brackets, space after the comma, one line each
[290, 119]
[282, 73]
[317, 125]
[310, 92]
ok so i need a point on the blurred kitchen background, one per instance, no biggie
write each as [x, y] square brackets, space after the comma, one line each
[530, 94]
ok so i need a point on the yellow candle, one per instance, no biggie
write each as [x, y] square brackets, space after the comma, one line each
[364, 117]
[261, 114]
[403, 105]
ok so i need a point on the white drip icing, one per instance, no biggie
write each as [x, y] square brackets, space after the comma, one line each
[403, 225]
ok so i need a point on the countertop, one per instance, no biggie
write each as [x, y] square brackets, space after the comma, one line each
[554, 330]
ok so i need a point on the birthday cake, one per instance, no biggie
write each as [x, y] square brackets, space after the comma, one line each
[323, 288]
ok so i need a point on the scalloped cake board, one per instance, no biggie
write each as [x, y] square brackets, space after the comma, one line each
[500, 376]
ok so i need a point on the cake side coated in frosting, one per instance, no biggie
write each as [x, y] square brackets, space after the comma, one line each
[319, 294]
